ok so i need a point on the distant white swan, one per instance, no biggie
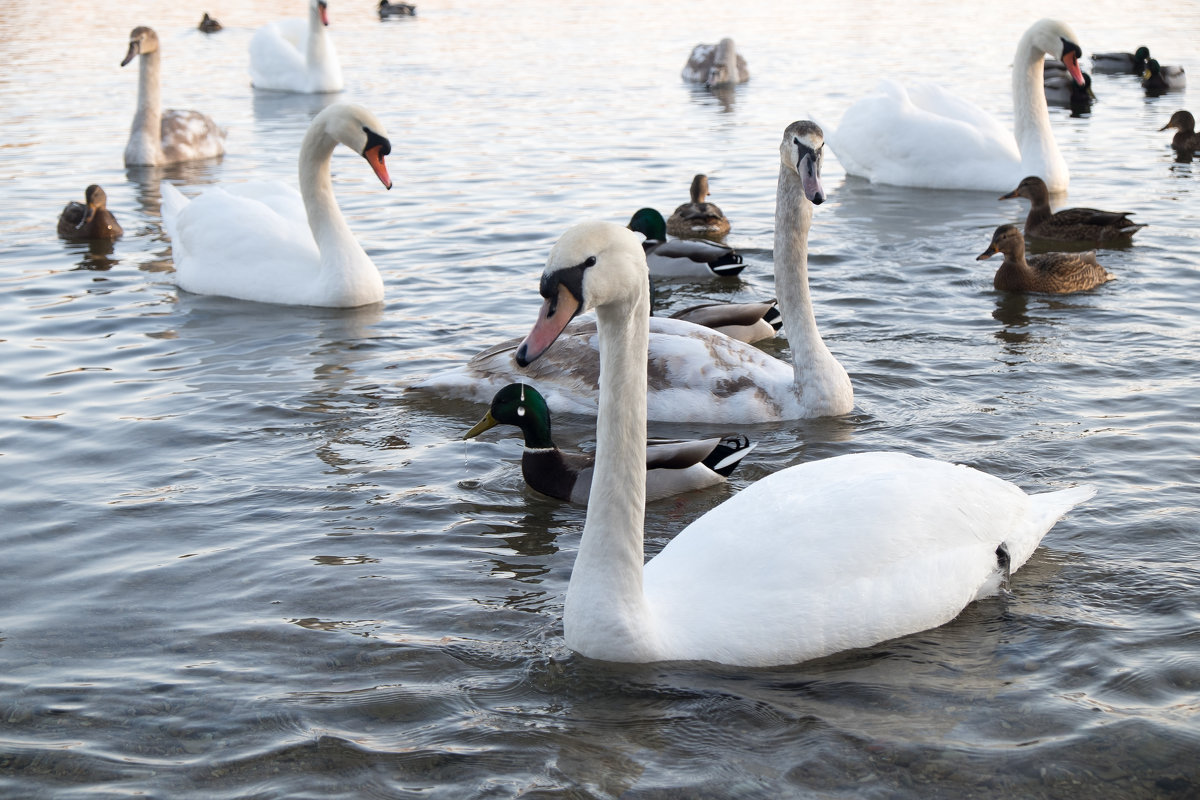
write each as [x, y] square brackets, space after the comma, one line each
[926, 137]
[160, 137]
[296, 55]
[814, 559]
[264, 242]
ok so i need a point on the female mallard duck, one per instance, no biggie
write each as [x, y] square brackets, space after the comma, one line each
[814, 559]
[1070, 224]
[296, 55]
[698, 218]
[160, 137]
[1158, 79]
[1050, 273]
[264, 242]
[682, 258]
[387, 10]
[926, 137]
[209, 24]
[671, 466]
[696, 374]
[746, 322]
[90, 219]
[1122, 63]
[1185, 140]
[716, 65]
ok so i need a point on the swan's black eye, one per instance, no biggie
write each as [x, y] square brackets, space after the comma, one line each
[591, 261]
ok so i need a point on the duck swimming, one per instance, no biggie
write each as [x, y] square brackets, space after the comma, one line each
[716, 65]
[814, 559]
[698, 218]
[1123, 63]
[388, 10]
[682, 258]
[671, 466]
[90, 219]
[746, 322]
[1070, 224]
[1048, 273]
[296, 55]
[1158, 80]
[1185, 140]
[160, 137]
[208, 24]
[926, 137]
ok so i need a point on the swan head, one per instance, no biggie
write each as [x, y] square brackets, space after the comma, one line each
[521, 405]
[1058, 40]
[1032, 188]
[592, 265]
[1007, 240]
[649, 223]
[361, 131]
[801, 151]
[724, 67]
[142, 41]
[321, 8]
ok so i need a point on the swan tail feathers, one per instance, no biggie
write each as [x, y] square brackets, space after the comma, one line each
[173, 203]
[1044, 510]
[725, 457]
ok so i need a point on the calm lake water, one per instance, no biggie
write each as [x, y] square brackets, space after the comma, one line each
[240, 560]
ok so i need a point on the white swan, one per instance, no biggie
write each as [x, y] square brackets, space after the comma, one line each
[928, 138]
[814, 559]
[263, 241]
[160, 137]
[296, 55]
[696, 374]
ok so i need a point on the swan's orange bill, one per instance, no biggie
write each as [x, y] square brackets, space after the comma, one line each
[374, 157]
[556, 312]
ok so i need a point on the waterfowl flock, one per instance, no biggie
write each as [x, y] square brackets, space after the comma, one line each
[813, 559]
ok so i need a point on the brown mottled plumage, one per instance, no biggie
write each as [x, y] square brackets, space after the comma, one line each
[89, 220]
[1051, 273]
[698, 218]
[1185, 140]
[1070, 224]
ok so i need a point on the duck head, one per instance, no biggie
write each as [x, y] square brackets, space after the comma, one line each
[95, 200]
[1181, 120]
[1007, 239]
[521, 405]
[1032, 188]
[649, 223]
[801, 151]
[142, 41]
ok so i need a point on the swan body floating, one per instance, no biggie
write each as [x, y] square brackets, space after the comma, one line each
[698, 217]
[1158, 80]
[388, 10]
[716, 65]
[1048, 273]
[926, 137]
[1185, 140]
[1121, 63]
[264, 242]
[296, 55]
[160, 137]
[90, 219]
[682, 258]
[746, 322]
[1070, 224]
[696, 374]
[671, 466]
[817, 558]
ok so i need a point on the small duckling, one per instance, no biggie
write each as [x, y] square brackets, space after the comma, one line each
[89, 220]
[1070, 224]
[1050, 273]
[1185, 140]
[698, 218]
[209, 24]
[1157, 79]
[387, 9]
[1121, 63]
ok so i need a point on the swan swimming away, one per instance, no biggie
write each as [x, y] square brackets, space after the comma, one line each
[296, 55]
[262, 241]
[696, 374]
[817, 558]
[160, 137]
[926, 137]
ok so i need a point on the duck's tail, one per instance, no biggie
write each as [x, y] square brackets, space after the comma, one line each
[725, 457]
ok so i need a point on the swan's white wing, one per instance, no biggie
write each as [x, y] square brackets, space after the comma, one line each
[277, 58]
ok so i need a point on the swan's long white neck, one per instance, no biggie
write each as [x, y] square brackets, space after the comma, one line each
[145, 134]
[318, 43]
[823, 379]
[1031, 117]
[606, 615]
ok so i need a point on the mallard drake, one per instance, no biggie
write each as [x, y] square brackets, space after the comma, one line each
[746, 322]
[1158, 79]
[90, 219]
[697, 217]
[296, 55]
[716, 65]
[682, 258]
[209, 24]
[160, 137]
[1050, 273]
[1125, 63]
[1070, 224]
[1063, 92]
[387, 9]
[1185, 140]
[671, 466]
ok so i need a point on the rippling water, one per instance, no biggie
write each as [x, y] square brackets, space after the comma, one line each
[240, 560]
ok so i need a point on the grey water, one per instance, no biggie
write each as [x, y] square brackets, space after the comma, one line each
[240, 559]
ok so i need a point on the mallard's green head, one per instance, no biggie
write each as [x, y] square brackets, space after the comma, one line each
[649, 223]
[521, 405]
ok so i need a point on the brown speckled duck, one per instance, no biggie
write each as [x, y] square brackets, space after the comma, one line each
[1051, 273]
[89, 220]
[698, 218]
[1185, 140]
[1070, 224]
